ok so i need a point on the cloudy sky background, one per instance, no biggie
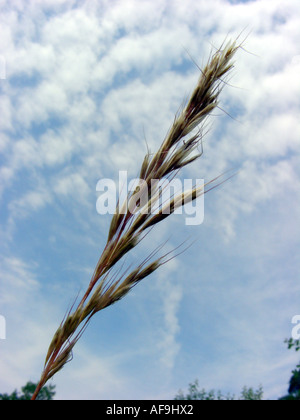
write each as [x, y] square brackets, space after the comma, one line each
[86, 85]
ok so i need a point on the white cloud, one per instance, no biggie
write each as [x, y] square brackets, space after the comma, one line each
[74, 185]
[26, 206]
[255, 185]
[170, 293]
[102, 373]
[27, 333]
[6, 115]
[169, 345]
[18, 275]
[38, 105]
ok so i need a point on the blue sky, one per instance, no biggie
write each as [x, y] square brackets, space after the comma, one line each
[85, 83]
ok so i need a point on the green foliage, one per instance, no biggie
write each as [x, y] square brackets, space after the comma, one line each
[46, 393]
[293, 343]
[247, 394]
[294, 387]
[194, 393]
[294, 384]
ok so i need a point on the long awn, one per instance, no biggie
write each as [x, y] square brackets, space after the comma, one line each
[131, 222]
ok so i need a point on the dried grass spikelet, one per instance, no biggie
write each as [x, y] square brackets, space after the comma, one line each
[128, 226]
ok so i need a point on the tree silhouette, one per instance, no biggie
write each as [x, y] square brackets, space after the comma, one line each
[46, 393]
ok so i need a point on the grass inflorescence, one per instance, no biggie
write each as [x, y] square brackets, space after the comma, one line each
[129, 226]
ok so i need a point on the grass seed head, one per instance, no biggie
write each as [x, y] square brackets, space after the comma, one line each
[175, 152]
